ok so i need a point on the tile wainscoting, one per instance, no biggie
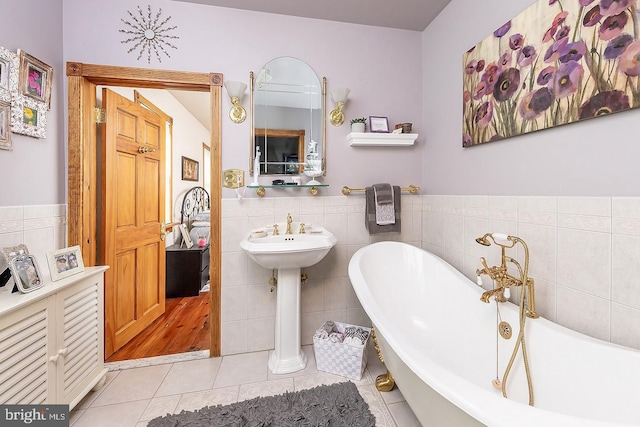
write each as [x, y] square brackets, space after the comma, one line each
[248, 307]
[43, 228]
[585, 254]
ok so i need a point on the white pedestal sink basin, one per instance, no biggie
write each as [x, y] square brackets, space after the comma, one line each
[288, 253]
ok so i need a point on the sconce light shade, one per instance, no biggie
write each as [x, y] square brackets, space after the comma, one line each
[340, 96]
[237, 114]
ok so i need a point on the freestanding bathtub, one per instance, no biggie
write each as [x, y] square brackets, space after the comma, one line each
[439, 343]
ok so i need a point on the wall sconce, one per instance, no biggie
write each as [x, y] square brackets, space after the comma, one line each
[237, 114]
[340, 96]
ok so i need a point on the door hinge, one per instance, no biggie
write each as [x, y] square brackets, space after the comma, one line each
[99, 115]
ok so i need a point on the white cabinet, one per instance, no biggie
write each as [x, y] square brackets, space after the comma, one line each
[52, 340]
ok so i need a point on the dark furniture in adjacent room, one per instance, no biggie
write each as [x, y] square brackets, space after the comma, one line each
[187, 270]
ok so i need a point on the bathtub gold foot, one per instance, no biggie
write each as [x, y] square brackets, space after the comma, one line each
[385, 382]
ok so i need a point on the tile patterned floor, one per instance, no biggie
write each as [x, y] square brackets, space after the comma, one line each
[131, 397]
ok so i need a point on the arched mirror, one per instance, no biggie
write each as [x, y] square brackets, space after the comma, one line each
[288, 119]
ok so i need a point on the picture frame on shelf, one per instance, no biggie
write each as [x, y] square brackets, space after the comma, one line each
[378, 124]
[36, 78]
[26, 273]
[9, 71]
[28, 117]
[65, 262]
[5, 126]
[190, 169]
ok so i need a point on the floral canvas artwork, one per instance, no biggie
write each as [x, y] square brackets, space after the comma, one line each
[558, 62]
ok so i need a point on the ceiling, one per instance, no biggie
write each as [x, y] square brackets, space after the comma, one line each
[402, 14]
[412, 15]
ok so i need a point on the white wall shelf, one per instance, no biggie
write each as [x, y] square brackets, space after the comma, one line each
[372, 139]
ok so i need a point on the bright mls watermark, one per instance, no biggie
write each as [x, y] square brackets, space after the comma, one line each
[34, 415]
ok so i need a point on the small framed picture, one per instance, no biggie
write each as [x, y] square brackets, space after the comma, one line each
[65, 262]
[190, 169]
[26, 273]
[28, 117]
[186, 237]
[378, 124]
[9, 70]
[36, 78]
[5, 126]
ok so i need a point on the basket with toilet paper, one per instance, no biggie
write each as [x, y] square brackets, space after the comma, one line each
[341, 348]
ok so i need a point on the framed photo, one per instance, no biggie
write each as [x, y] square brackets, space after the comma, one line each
[190, 169]
[5, 126]
[26, 273]
[65, 262]
[378, 124]
[36, 78]
[28, 117]
[9, 70]
[186, 237]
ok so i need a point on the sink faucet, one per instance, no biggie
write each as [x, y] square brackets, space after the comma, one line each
[289, 222]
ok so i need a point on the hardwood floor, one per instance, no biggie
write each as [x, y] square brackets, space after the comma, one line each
[183, 327]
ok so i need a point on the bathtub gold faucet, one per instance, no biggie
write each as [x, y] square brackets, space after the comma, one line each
[502, 278]
[502, 282]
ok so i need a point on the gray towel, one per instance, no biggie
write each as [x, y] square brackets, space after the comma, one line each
[383, 192]
[370, 212]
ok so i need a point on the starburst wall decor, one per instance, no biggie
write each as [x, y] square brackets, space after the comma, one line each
[149, 34]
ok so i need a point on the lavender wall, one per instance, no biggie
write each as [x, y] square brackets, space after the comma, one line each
[35, 171]
[594, 158]
[381, 66]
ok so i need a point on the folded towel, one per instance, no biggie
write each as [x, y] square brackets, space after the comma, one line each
[385, 211]
[370, 212]
[384, 193]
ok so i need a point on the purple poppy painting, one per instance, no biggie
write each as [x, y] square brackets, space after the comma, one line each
[557, 62]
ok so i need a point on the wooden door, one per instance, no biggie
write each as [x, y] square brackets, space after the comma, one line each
[132, 215]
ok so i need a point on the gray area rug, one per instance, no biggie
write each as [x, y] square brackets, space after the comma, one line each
[336, 405]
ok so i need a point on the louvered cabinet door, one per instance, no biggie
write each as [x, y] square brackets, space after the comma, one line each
[80, 338]
[27, 374]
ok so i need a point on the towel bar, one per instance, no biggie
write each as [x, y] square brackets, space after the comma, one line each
[347, 190]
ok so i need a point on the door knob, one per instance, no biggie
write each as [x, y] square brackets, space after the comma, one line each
[164, 229]
[143, 150]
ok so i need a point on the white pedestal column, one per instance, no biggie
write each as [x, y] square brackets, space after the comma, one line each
[288, 355]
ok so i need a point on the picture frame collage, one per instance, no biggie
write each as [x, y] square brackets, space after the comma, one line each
[25, 270]
[25, 96]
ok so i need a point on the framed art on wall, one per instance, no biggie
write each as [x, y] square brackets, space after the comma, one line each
[28, 117]
[8, 74]
[36, 78]
[5, 126]
[65, 262]
[190, 169]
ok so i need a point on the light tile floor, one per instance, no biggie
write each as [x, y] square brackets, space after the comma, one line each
[132, 397]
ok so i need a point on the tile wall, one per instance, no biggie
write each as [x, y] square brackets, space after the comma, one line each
[585, 256]
[248, 307]
[43, 228]
[584, 251]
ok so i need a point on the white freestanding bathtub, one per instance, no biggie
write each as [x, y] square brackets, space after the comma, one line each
[439, 343]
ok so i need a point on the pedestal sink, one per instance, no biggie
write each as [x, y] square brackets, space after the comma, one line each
[288, 253]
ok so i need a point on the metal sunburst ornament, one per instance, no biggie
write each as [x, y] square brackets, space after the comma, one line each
[149, 34]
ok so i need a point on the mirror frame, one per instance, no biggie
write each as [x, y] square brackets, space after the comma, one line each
[324, 125]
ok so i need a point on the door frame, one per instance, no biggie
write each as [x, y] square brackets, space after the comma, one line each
[82, 157]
